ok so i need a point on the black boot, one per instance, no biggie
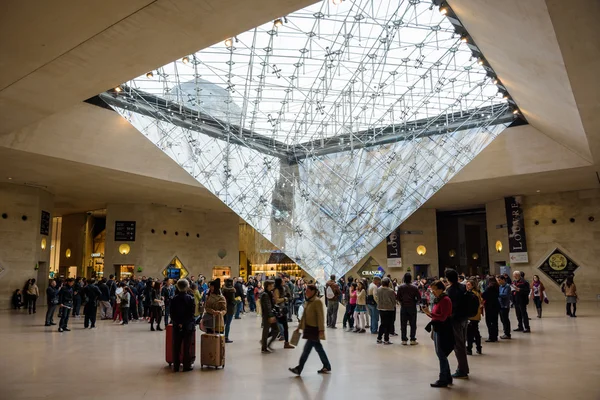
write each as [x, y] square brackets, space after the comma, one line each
[539, 313]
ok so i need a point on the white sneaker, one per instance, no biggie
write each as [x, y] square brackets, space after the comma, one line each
[413, 342]
[404, 343]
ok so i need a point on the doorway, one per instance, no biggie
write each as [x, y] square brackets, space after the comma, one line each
[123, 271]
[421, 270]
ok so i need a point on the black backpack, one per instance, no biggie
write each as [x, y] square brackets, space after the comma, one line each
[470, 304]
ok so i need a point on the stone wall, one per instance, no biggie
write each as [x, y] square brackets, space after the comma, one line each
[580, 239]
[422, 220]
[20, 241]
[154, 251]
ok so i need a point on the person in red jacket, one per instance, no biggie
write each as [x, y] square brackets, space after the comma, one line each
[443, 335]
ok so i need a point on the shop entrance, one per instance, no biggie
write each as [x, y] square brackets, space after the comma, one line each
[421, 270]
[123, 271]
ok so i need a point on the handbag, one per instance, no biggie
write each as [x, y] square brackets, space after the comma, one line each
[295, 338]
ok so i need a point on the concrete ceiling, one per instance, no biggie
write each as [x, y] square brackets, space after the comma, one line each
[519, 40]
[57, 53]
[79, 187]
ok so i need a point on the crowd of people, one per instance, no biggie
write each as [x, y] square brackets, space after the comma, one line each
[455, 304]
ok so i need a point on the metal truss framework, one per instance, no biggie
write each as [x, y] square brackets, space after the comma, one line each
[326, 131]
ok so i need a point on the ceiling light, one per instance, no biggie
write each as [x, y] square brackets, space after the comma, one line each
[185, 60]
[336, 2]
[515, 111]
[480, 61]
[118, 89]
[443, 9]
[495, 81]
[228, 42]
[278, 22]
[537, 191]
[150, 74]
[9, 178]
[464, 38]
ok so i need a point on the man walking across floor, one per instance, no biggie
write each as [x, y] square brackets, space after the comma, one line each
[456, 292]
[386, 304]
[313, 331]
[372, 304]
[65, 301]
[408, 297]
[521, 291]
[333, 293]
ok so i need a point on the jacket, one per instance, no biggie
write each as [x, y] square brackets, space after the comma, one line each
[239, 289]
[65, 295]
[386, 299]
[182, 311]
[266, 305]
[541, 289]
[112, 288]
[336, 290]
[504, 296]
[570, 291]
[105, 293]
[456, 292]
[361, 297]
[441, 323]
[313, 319]
[491, 296]
[33, 290]
[216, 302]
[477, 317]
[408, 296]
[167, 293]
[522, 295]
[51, 294]
[230, 293]
[92, 292]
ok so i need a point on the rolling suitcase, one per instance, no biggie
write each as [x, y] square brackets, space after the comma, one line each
[169, 347]
[212, 350]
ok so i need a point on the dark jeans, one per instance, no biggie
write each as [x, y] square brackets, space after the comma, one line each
[90, 312]
[133, 311]
[473, 335]
[31, 302]
[238, 309]
[50, 313]
[182, 337]
[522, 316]
[349, 316]
[445, 375]
[569, 313]
[408, 316]
[284, 324]
[537, 300]
[155, 315]
[167, 313]
[332, 311]
[270, 330]
[125, 315]
[460, 345]
[505, 320]
[385, 328]
[228, 318]
[491, 321]
[76, 305]
[374, 315]
[64, 317]
[318, 346]
[251, 302]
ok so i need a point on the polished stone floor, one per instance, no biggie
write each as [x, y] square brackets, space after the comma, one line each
[559, 360]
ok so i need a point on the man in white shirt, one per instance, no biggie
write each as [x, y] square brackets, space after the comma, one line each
[372, 304]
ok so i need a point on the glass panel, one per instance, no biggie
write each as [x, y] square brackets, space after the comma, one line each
[327, 132]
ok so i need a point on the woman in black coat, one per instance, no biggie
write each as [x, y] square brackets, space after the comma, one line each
[492, 308]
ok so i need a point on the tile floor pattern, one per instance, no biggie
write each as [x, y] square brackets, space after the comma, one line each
[559, 360]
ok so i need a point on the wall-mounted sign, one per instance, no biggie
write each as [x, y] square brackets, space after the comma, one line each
[97, 255]
[45, 223]
[557, 266]
[394, 255]
[124, 231]
[517, 242]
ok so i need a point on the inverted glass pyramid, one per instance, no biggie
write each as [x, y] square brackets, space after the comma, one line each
[327, 131]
